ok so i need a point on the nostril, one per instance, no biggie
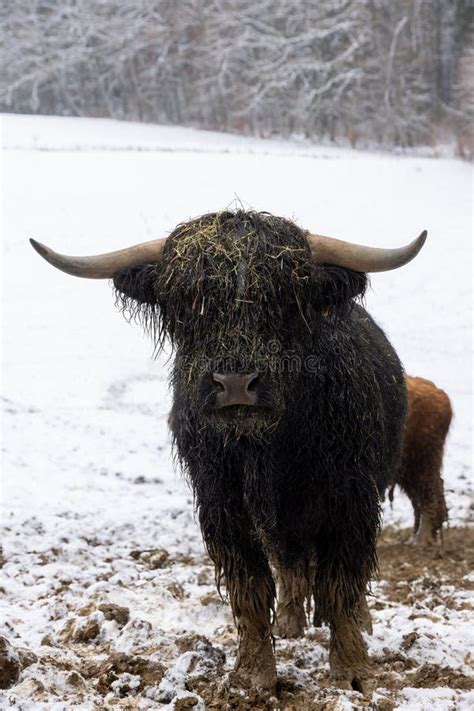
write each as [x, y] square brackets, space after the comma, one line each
[252, 382]
[220, 380]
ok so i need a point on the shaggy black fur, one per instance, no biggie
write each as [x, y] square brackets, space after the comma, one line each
[300, 480]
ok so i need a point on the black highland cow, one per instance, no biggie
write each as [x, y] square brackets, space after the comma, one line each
[288, 414]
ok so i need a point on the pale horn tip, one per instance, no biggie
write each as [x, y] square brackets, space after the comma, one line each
[38, 247]
[419, 242]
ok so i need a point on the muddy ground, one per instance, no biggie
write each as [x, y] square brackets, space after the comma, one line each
[102, 656]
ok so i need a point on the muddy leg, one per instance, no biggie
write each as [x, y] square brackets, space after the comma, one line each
[429, 507]
[348, 658]
[362, 614]
[293, 591]
[428, 529]
[251, 591]
[242, 565]
[346, 558]
[251, 603]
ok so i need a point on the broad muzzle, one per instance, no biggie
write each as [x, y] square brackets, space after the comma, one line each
[236, 389]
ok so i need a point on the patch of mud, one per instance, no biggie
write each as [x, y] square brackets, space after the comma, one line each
[106, 673]
[415, 572]
[431, 675]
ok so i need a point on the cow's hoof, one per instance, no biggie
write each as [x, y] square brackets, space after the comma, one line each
[423, 541]
[255, 667]
[426, 535]
[350, 680]
[258, 680]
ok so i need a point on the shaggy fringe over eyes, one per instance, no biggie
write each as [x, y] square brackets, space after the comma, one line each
[231, 268]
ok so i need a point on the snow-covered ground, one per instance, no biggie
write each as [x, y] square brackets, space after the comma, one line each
[88, 481]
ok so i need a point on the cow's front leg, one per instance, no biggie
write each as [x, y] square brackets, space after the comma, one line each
[251, 596]
[346, 560]
[294, 586]
[242, 565]
[348, 657]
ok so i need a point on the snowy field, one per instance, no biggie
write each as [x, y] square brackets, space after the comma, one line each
[107, 595]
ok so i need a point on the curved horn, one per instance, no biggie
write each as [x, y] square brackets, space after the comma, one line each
[102, 266]
[326, 250]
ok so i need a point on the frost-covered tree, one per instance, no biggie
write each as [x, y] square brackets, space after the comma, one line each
[362, 70]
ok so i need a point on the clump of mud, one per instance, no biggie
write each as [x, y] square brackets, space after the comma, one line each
[9, 664]
[106, 673]
[432, 675]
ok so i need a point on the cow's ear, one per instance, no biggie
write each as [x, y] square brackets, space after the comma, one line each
[338, 286]
[137, 284]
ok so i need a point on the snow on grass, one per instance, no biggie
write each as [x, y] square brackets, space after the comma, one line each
[54, 133]
[88, 475]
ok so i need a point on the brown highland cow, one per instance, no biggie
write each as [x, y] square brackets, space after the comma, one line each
[419, 476]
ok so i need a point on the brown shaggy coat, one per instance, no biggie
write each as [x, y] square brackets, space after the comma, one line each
[427, 425]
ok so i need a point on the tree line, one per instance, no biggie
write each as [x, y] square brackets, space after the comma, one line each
[396, 73]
